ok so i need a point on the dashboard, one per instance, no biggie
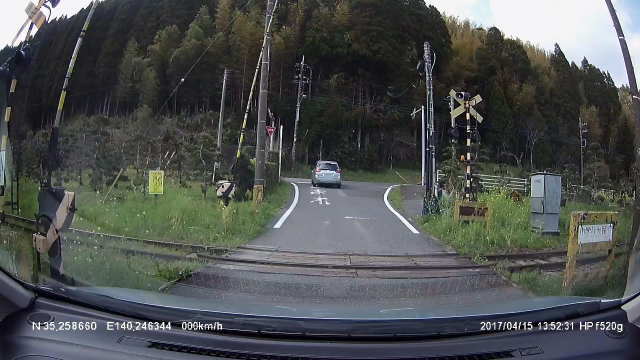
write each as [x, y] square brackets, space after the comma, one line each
[54, 330]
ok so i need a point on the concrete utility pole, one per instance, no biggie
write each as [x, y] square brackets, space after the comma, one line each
[258, 187]
[220, 122]
[298, 105]
[424, 147]
[430, 205]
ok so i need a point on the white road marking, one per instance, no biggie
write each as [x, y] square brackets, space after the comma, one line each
[404, 221]
[317, 192]
[284, 217]
[356, 218]
[321, 200]
[303, 182]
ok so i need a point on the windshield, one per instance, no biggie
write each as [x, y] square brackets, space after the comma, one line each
[185, 154]
[325, 166]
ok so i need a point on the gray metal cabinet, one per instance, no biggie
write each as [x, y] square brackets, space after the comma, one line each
[546, 193]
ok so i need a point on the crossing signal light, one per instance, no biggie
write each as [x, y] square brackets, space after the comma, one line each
[465, 96]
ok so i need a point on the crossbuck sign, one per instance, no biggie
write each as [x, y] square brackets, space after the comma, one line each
[461, 109]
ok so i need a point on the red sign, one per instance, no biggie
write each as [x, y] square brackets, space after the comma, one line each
[270, 130]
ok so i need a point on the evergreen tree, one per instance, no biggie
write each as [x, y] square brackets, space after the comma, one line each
[130, 75]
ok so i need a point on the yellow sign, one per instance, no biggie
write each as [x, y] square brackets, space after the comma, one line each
[156, 182]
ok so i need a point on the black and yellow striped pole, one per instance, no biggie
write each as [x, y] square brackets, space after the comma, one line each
[56, 206]
[53, 161]
[35, 18]
[468, 173]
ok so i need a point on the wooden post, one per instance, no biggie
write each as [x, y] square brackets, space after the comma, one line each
[574, 247]
[113, 184]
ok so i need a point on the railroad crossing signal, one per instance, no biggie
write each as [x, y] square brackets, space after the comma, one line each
[466, 104]
[463, 99]
[36, 16]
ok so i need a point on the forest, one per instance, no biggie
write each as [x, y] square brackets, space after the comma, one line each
[147, 88]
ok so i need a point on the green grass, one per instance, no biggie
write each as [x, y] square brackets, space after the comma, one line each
[508, 228]
[180, 215]
[396, 199]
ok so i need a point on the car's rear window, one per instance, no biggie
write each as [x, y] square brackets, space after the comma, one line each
[332, 167]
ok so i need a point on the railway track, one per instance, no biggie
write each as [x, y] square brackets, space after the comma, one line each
[272, 260]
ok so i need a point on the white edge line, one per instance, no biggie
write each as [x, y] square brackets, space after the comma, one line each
[404, 221]
[284, 217]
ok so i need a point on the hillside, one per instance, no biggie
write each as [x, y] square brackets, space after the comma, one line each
[365, 85]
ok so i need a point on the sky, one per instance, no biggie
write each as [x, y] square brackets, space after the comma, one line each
[583, 28]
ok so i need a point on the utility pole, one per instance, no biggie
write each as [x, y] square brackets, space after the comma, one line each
[635, 97]
[424, 147]
[583, 144]
[280, 154]
[220, 121]
[430, 200]
[258, 187]
[300, 77]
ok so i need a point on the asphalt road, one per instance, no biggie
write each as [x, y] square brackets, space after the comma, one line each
[353, 219]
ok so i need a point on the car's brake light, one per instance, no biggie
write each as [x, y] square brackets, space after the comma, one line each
[317, 170]
[338, 171]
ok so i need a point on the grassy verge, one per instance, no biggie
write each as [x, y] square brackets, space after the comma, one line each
[396, 199]
[508, 229]
[408, 176]
[180, 215]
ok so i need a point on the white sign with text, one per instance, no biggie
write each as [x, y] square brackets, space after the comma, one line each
[588, 234]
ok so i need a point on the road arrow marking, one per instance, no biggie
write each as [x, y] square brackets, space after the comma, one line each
[320, 200]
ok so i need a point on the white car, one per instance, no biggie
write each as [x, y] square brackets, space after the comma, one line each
[326, 173]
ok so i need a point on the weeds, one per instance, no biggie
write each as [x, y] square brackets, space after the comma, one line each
[508, 228]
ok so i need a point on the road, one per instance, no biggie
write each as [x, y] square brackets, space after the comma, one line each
[340, 227]
[353, 219]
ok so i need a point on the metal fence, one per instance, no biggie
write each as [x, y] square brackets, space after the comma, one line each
[490, 182]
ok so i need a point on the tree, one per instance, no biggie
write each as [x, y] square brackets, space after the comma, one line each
[130, 74]
[194, 91]
[565, 102]
[149, 87]
[164, 45]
